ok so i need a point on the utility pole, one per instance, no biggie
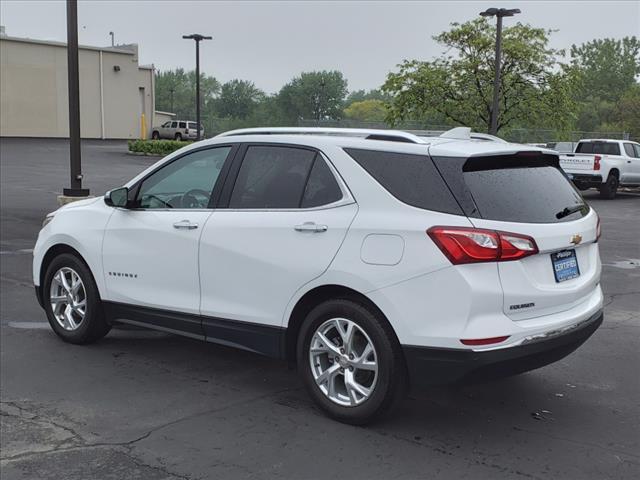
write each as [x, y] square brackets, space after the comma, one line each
[171, 91]
[198, 38]
[75, 162]
[499, 13]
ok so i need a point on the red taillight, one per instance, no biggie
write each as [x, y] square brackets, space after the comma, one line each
[474, 245]
[598, 228]
[484, 341]
[596, 162]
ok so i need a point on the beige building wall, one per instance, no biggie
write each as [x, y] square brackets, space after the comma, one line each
[114, 91]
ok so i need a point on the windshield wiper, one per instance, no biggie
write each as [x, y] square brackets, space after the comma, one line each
[568, 211]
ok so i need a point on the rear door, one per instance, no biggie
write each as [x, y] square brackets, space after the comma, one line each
[282, 218]
[531, 196]
[633, 161]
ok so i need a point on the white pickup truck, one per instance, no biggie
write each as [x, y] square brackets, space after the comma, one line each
[603, 164]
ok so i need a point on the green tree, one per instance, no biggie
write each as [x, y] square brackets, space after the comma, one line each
[459, 86]
[176, 92]
[604, 70]
[313, 95]
[627, 111]
[361, 95]
[367, 111]
[238, 99]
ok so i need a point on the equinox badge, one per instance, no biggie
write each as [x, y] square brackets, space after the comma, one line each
[576, 239]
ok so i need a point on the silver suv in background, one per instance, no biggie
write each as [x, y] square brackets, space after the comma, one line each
[177, 130]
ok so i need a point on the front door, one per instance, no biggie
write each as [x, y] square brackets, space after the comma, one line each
[150, 251]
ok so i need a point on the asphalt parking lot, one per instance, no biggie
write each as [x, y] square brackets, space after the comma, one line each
[147, 405]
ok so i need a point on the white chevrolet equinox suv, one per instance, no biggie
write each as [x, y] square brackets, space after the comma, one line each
[374, 260]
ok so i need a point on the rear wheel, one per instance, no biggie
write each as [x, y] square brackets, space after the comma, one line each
[178, 136]
[350, 361]
[609, 188]
[72, 302]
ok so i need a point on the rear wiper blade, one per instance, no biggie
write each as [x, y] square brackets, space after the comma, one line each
[568, 211]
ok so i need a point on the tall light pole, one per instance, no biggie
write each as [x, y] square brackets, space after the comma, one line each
[73, 80]
[499, 13]
[198, 38]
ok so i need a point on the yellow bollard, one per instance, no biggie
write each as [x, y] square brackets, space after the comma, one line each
[143, 127]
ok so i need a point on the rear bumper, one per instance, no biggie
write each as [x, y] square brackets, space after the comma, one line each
[586, 179]
[437, 366]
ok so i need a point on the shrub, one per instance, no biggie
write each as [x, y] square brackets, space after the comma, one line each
[155, 147]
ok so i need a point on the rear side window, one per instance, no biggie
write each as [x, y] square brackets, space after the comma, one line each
[183, 125]
[603, 148]
[513, 189]
[272, 177]
[412, 179]
[322, 187]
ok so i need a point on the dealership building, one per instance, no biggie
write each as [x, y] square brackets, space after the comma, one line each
[117, 94]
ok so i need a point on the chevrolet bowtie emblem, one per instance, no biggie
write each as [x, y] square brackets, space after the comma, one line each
[576, 239]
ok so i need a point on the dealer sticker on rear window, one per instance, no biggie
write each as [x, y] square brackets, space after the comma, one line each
[565, 265]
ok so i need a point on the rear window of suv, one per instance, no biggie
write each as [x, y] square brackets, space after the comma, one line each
[512, 188]
[412, 179]
[604, 148]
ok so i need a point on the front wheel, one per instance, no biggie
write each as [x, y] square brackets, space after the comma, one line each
[350, 361]
[155, 135]
[72, 302]
[610, 187]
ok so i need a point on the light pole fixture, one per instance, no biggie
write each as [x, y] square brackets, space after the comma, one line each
[197, 38]
[113, 44]
[499, 13]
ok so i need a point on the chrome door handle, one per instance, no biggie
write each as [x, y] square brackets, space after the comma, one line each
[310, 227]
[185, 225]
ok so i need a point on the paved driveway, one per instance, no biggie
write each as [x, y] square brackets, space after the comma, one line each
[146, 405]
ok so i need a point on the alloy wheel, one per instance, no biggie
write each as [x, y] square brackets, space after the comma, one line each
[343, 362]
[68, 298]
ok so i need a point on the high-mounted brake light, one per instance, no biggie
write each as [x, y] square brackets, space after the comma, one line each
[596, 162]
[475, 245]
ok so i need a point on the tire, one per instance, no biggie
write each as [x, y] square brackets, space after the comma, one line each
[609, 188]
[178, 137]
[386, 386]
[581, 186]
[81, 329]
[155, 135]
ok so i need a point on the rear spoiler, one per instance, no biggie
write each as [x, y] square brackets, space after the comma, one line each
[514, 160]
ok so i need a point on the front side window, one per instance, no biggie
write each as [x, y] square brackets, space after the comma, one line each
[628, 149]
[166, 124]
[184, 183]
[272, 177]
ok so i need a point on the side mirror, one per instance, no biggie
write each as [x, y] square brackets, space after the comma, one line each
[117, 198]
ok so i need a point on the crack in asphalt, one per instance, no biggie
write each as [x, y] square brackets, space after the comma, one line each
[613, 296]
[126, 445]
